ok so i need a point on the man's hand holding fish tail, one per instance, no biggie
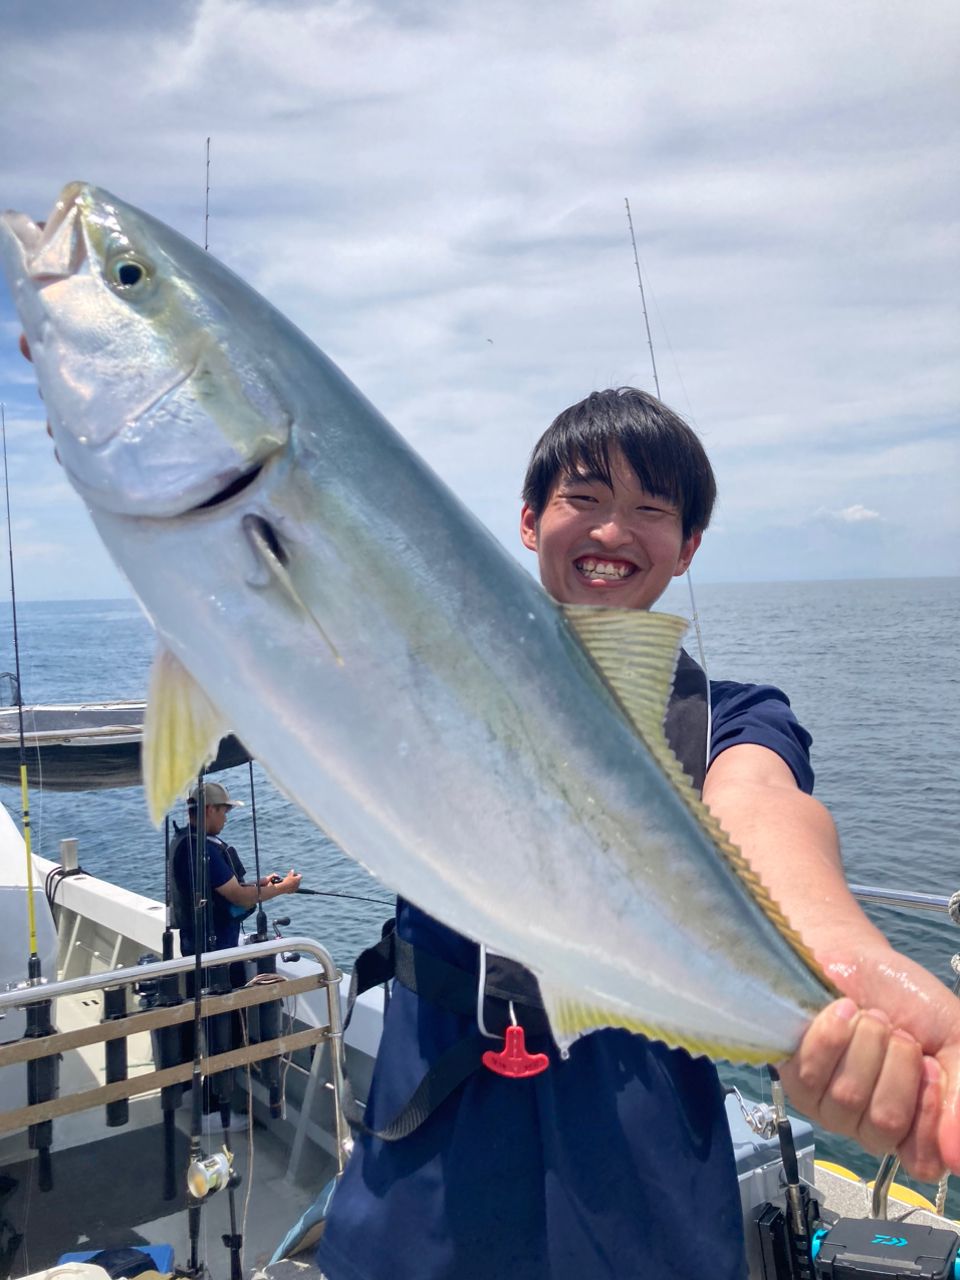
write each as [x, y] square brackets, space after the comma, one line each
[883, 1065]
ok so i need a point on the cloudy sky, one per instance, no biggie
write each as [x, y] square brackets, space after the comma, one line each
[434, 190]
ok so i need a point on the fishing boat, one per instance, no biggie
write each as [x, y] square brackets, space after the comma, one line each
[83, 746]
[120, 1159]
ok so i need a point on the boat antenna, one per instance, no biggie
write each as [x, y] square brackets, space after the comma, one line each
[656, 382]
[643, 300]
[42, 1073]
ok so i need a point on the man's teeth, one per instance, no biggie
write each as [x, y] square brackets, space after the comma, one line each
[604, 568]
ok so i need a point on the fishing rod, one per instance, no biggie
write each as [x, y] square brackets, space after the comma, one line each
[266, 1018]
[786, 1237]
[43, 1074]
[333, 893]
[701, 651]
[197, 1182]
[33, 964]
[206, 1175]
[261, 933]
[643, 299]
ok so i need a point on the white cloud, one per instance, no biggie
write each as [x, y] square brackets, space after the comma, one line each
[409, 180]
[855, 514]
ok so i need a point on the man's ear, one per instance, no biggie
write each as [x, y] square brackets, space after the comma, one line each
[528, 528]
[687, 552]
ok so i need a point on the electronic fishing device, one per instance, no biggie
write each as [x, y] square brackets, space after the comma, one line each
[790, 1237]
[871, 1249]
[853, 1249]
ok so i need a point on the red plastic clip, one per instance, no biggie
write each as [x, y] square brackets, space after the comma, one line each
[513, 1060]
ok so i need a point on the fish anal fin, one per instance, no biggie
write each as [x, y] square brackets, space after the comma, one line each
[181, 732]
[571, 1015]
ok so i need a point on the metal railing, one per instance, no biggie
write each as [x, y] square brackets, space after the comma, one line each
[27, 1049]
[937, 904]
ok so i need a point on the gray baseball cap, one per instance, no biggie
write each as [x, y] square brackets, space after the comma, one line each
[215, 793]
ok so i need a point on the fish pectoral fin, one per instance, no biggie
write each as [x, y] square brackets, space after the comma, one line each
[572, 1015]
[267, 548]
[181, 731]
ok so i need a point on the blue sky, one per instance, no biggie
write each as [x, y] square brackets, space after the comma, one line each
[435, 193]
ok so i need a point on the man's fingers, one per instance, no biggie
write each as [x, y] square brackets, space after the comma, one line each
[893, 1105]
[25, 350]
[850, 1090]
[920, 1152]
[808, 1073]
[949, 1127]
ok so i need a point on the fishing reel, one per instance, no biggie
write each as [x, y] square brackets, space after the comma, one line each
[207, 1175]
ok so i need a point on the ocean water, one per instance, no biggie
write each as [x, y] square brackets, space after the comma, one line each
[869, 666]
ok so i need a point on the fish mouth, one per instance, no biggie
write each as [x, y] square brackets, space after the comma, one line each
[55, 249]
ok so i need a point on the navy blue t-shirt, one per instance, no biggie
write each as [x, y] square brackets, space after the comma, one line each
[613, 1164]
[218, 917]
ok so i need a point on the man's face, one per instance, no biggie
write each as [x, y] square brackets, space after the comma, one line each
[618, 548]
[216, 816]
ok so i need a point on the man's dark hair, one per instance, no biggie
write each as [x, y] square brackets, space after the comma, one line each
[667, 456]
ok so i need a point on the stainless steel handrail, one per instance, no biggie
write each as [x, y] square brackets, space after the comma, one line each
[20, 996]
[937, 903]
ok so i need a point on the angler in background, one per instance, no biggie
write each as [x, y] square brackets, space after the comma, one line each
[616, 1161]
[229, 899]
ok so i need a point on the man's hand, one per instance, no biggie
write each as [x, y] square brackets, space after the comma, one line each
[857, 1075]
[246, 895]
[25, 351]
[883, 1065]
[289, 883]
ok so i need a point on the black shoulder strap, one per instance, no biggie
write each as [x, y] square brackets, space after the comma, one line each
[685, 724]
[435, 980]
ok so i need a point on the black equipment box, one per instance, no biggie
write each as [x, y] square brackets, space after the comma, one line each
[871, 1249]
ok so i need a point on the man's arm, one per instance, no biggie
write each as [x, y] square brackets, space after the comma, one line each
[885, 1070]
[245, 895]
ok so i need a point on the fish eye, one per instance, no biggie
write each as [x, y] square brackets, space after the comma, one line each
[127, 273]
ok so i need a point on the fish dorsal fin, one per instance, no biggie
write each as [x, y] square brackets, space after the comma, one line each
[181, 731]
[636, 653]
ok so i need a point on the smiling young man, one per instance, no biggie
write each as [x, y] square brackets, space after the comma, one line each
[616, 1162]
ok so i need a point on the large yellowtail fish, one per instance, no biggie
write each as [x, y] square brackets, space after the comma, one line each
[496, 758]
